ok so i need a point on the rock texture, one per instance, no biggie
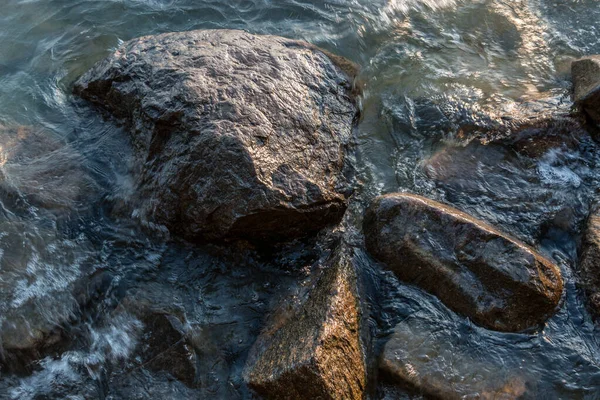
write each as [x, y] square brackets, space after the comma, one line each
[589, 262]
[164, 347]
[315, 351]
[474, 269]
[513, 120]
[443, 365]
[586, 85]
[238, 135]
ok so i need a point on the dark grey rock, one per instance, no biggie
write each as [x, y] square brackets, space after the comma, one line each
[497, 281]
[238, 135]
[586, 85]
[37, 169]
[512, 120]
[165, 347]
[314, 350]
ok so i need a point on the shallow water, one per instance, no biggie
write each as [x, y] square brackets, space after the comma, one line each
[70, 258]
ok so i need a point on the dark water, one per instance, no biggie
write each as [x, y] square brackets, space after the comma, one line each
[70, 259]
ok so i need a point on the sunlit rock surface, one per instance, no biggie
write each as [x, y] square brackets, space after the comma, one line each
[586, 82]
[589, 262]
[495, 280]
[441, 364]
[314, 350]
[238, 135]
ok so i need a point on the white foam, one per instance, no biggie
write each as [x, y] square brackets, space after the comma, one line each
[110, 344]
[552, 172]
[404, 6]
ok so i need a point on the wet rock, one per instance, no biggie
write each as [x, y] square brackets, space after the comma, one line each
[237, 135]
[164, 347]
[586, 82]
[533, 182]
[589, 261]
[38, 169]
[40, 272]
[41, 182]
[512, 120]
[315, 350]
[441, 364]
[496, 281]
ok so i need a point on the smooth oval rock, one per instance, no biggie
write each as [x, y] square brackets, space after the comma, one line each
[496, 281]
[586, 85]
[238, 135]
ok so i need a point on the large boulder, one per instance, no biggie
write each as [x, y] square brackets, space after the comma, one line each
[496, 281]
[238, 135]
[441, 364]
[589, 262]
[314, 350]
[586, 85]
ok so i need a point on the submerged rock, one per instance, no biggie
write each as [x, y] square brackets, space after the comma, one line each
[39, 170]
[586, 82]
[589, 261]
[238, 135]
[40, 272]
[315, 351]
[42, 180]
[164, 347]
[533, 182]
[497, 281]
[514, 119]
[442, 364]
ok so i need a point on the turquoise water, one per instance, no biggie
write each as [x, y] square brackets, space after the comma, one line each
[421, 61]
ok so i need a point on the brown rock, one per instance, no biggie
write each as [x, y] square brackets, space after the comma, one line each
[586, 85]
[589, 262]
[238, 135]
[314, 352]
[497, 281]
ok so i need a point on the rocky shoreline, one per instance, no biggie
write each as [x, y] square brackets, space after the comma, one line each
[245, 143]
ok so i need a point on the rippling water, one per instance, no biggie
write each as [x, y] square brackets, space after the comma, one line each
[69, 258]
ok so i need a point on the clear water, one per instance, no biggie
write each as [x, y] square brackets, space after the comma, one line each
[70, 258]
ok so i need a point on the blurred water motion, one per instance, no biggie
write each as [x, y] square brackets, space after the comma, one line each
[78, 274]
